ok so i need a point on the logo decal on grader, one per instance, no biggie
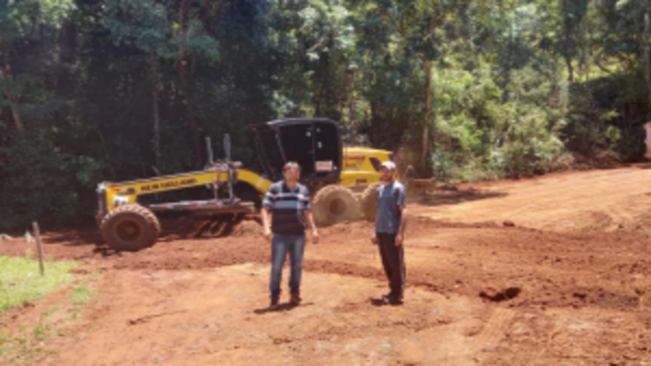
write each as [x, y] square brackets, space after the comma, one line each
[170, 184]
[355, 161]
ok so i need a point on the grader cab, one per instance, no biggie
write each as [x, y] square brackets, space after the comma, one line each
[341, 180]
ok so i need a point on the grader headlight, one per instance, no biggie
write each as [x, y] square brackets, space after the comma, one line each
[119, 201]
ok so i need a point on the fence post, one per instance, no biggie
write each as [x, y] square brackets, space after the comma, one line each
[37, 234]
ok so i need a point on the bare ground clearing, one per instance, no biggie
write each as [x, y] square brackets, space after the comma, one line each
[567, 285]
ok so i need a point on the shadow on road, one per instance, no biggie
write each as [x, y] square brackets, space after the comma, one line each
[456, 197]
[383, 302]
[282, 307]
[87, 236]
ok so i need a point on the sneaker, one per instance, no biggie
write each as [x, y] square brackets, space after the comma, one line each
[295, 299]
[274, 304]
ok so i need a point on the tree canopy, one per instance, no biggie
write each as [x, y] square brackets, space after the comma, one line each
[99, 90]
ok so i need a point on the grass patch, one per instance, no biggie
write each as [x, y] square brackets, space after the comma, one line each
[23, 345]
[21, 282]
[82, 294]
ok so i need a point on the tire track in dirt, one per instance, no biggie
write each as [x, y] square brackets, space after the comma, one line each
[494, 329]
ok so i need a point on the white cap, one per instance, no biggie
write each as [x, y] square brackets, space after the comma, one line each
[389, 165]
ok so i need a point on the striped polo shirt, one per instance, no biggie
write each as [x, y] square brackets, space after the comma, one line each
[287, 208]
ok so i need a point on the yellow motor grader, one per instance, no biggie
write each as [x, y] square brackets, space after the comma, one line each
[331, 172]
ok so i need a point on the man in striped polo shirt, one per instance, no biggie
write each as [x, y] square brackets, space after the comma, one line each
[288, 203]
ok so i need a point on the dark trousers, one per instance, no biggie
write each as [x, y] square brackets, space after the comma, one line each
[393, 261]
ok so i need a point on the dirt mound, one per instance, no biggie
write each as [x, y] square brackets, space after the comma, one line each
[597, 160]
[417, 226]
[249, 228]
[581, 269]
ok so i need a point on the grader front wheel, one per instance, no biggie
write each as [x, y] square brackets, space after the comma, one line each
[130, 228]
[369, 201]
[333, 204]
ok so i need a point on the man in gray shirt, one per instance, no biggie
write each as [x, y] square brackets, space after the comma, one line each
[390, 229]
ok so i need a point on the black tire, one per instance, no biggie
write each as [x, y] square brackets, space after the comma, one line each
[130, 228]
[333, 204]
[369, 201]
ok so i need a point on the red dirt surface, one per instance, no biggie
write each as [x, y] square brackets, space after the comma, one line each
[495, 276]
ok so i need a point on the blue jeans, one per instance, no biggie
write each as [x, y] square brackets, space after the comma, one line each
[280, 246]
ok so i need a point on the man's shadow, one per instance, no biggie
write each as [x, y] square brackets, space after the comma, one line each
[289, 307]
[282, 307]
[383, 302]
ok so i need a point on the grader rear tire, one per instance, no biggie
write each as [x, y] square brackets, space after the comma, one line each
[369, 201]
[333, 204]
[130, 228]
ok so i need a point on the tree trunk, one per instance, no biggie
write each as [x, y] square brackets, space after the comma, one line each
[155, 110]
[154, 102]
[185, 86]
[14, 113]
[5, 72]
[646, 55]
[428, 107]
[351, 108]
[194, 130]
[427, 169]
[106, 150]
[570, 69]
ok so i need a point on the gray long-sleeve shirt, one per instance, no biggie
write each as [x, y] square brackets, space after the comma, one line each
[389, 215]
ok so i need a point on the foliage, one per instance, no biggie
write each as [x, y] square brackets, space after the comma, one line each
[117, 89]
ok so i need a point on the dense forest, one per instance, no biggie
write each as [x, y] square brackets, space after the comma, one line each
[94, 90]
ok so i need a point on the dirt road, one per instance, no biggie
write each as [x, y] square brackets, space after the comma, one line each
[604, 199]
[567, 285]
